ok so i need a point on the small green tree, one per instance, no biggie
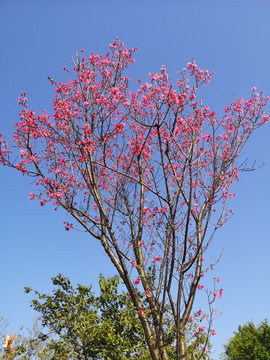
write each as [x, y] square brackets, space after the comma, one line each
[249, 343]
[83, 326]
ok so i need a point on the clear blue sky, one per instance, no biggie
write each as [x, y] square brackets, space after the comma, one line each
[228, 37]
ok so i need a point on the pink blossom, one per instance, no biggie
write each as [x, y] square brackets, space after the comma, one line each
[119, 127]
[32, 196]
[156, 259]
[218, 279]
[213, 332]
[137, 281]
[68, 226]
[220, 293]
[141, 311]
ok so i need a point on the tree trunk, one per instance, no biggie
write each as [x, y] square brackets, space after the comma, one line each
[183, 349]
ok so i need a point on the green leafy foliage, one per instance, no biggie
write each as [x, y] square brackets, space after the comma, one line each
[83, 326]
[250, 343]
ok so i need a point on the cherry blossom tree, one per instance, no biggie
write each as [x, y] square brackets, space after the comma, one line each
[147, 173]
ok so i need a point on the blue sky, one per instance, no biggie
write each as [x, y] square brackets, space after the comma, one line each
[37, 40]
